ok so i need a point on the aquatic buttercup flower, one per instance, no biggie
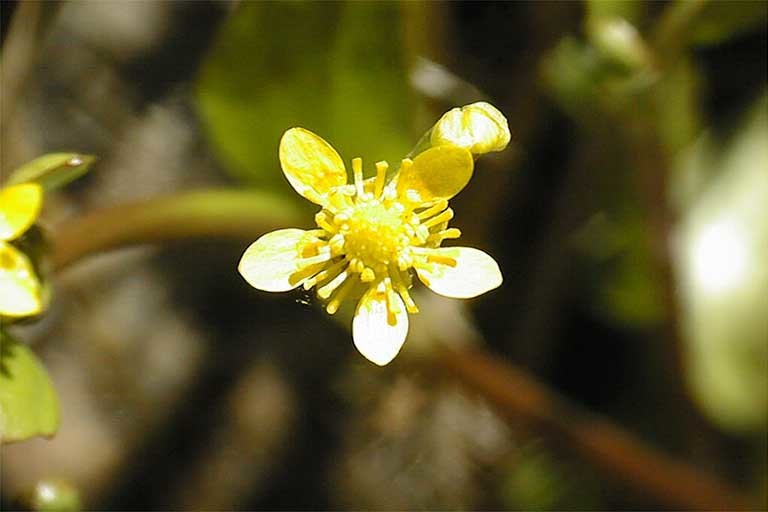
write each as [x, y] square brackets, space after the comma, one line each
[372, 236]
[20, 290]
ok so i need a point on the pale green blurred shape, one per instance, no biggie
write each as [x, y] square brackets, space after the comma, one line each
[336, 69]
[28, 403]
[722, 265]
[55, 495]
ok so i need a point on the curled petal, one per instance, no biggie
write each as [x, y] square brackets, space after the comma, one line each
[379, 328]
[20, 291]
[437, 173]
[19, 207]
[460, 272]
[310, 164]
[479, 128]
[273, 263]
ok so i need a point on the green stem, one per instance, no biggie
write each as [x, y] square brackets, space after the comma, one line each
[670, 35]
[196, 214]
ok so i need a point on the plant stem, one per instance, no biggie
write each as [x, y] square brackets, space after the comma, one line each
[523, 401]
[196, 214]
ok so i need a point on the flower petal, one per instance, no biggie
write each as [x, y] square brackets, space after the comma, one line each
[478, 127]
[437, 173]
[310, 164]
[474, 273]
[20, 291]
[378, 332]
[272, 262]
[19, 207]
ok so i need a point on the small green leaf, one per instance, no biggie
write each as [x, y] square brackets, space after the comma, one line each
[28, 403]
[53, 170]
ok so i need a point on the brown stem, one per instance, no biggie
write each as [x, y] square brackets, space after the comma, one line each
[521, 399]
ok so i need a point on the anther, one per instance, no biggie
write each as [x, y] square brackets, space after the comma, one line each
[339, 296]
[434, 209]
[367, 275]
[325, 291]
[445, 216]
[381, 175]
[357, 169]
[321, 219]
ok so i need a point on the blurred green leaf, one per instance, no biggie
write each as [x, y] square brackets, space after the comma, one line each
[721, 250]
[55, 495]
[630, 10]
[53, 170]
[721, 20]
[28, 403]
[336, 69]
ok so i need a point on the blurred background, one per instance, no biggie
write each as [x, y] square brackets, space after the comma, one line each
[629, 217]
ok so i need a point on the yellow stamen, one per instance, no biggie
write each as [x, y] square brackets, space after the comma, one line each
[445, 216]
[357, 169]
[339, 296]
[381, 175]
[433, 210]
[325, 275]
[325, 291]
[445, 234]
[321, 219]
[367, 275]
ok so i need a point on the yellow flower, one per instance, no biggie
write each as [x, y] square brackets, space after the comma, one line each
[20, 291]
[371, 236]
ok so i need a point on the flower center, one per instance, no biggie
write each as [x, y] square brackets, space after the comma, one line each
[376, 233]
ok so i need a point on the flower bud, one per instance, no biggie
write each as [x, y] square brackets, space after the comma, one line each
[479, 128]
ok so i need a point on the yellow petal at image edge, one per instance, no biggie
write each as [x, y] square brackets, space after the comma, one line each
[20, 293]
[271, 261]
[310, 164]
[19, 207]
[475, 273]
[437, 173]
[377, 334]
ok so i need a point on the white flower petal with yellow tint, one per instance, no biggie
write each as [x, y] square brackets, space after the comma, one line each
[272, 262]
[310, 164]
[475, 273]
[378, 333]
[19, 207]
[437, 173]
[20, 291]
[479, 128]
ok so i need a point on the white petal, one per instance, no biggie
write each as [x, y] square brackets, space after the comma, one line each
[272, 261]
[475, 273]
[379, 334]
[20, 293]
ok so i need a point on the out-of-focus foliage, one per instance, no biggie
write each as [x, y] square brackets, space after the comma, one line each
[55, 496]
[342, 73]
[536, 480]
[722, 253]
[719, 21]
[28, 403]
